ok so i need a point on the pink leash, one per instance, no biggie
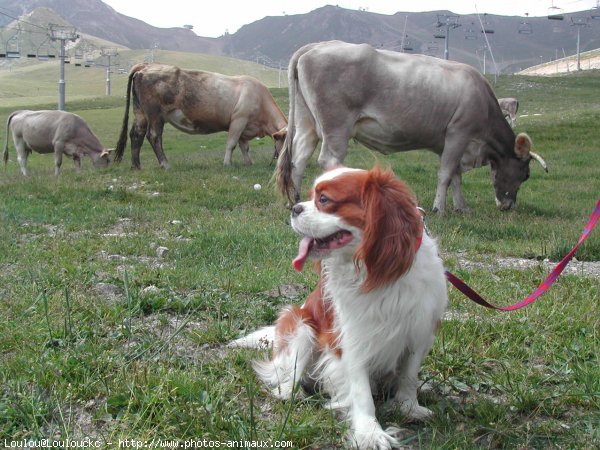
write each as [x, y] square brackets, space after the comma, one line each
[542, 288]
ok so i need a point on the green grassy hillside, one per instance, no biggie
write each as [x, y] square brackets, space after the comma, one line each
[33, 82]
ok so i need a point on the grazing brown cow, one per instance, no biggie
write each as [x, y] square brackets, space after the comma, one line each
[198, 102]
[57, 132]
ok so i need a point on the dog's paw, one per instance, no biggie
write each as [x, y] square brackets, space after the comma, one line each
[372, 438]
[415, 412]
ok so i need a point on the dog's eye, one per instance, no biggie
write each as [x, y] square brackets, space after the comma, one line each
[323, 199]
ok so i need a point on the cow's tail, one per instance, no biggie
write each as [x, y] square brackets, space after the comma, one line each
[120, 147]
[5, 153]
[283, 171]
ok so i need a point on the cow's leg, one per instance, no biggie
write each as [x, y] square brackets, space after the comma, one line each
[457, 196]
[22, 154]
[333, 150]
[236, 127]
[136, 135]
[154, 135]
[245, 149]
[449, 167]
[447, 171]
[304, 145]
[58, 155]
[77, 162]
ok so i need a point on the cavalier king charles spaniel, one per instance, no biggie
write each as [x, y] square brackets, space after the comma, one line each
[372, 318]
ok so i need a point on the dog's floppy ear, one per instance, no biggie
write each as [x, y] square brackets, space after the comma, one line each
[392, 228]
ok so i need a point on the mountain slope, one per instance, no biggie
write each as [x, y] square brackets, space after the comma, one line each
[272, 40]
[96, 18]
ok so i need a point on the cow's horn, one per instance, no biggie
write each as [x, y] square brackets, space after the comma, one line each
[539, 159]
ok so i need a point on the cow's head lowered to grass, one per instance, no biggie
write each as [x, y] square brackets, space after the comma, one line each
[102, 159]
[509, 172]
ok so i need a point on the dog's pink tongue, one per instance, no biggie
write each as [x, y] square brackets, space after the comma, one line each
[303, 249]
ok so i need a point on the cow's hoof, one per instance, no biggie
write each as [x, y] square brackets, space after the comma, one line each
[463, 210]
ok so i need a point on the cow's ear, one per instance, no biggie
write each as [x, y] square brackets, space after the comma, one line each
[280, 135]
[523, 146]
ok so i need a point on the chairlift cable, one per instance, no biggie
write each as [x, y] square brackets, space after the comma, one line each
[22, 21]
[487, 42]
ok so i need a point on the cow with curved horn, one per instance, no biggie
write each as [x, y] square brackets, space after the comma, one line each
[394, 102]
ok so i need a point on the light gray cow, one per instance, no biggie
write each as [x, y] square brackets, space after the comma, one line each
[394, 102]
[509, 107]
[57, 132]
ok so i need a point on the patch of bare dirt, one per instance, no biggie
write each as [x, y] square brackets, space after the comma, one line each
[492, 263]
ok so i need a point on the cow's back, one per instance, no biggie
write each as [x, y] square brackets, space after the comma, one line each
[197, 101]
[201, 102]
[393, 101]
[39, 129]
[42, 129]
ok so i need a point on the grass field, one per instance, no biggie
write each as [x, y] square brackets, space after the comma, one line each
[106, 335]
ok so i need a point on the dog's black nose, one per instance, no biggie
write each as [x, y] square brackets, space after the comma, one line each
[297, 210]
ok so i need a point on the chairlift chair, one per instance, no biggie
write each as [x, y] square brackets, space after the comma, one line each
[432, 47]
[486, 26]
[555, 13]
[596, 13]
[470, 33]
[525, 27]
[12, 47]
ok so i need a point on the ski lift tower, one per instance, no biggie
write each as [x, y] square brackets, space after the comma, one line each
[109, 53]
[450, 22]
[62, 34]
[579, 22]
